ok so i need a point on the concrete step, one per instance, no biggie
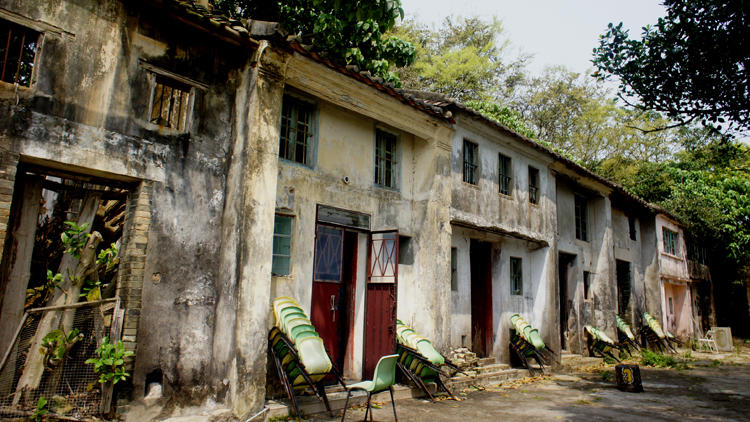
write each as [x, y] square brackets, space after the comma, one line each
[486, 361]
[461, 382]
[491, 368]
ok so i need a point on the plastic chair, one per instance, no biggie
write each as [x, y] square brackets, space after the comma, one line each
[382, 379]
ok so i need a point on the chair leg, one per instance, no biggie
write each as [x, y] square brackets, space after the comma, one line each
[367, 409]
[393, 403]
[346, 404]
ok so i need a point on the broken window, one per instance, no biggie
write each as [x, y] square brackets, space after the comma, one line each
[533, 185]
[670, 241]
[18, 46]
[296, 130]
[581, 216]
[282, 245]
[631, 227]
[454, 269]
[171, 103]
[516, 276]
[504, 174]
[385, 159]
[471, 160]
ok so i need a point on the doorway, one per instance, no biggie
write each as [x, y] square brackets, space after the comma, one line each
[380, 300]
[481, 297]
[565, 261]
[334, 281]
[624, 281]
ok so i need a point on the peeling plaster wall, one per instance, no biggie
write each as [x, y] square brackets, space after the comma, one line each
[347, 117]
[514, 226]
[627, 249]
[595, 255]
[87, 112]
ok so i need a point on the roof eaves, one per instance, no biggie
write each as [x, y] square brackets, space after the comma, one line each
[373, 81]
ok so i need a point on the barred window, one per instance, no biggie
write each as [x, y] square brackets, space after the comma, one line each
[171, 103]
[470, 162]
[296, 131]
[504, 174]
[385, 159]
[533, 185]
[18, 47]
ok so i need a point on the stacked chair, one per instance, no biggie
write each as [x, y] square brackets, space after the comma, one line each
[298, 352]
[527, 343]
[626, 336]
[419, 361]
[655, 335]
[601, 344]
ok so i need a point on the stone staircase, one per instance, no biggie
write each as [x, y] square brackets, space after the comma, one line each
[486, 372]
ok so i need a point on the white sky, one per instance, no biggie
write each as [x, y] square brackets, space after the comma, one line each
[555, 32]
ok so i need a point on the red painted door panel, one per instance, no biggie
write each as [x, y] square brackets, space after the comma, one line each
[380, 306]
[326, 314]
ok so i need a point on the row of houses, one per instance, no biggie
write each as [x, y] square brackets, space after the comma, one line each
[250, 168]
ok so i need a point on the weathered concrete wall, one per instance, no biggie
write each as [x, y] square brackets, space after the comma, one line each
[513, 225]
[347, 117]
[650, 259]
[630, 250]
[595, 255]
[87, 112]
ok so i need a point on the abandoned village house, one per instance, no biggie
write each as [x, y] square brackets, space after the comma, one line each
[229, 167]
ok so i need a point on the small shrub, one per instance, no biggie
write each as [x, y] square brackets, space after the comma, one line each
[41, 410]
[658, 360]
[607, 376]
[110, 362]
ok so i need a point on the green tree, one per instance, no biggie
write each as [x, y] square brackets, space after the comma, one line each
[466, 59]
[347, 32]
[692, 66]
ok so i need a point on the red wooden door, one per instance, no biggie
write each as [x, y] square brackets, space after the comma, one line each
[329, 298]
[380, 306]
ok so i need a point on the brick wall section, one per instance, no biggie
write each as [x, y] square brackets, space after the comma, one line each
[132, 265]
[8, 166]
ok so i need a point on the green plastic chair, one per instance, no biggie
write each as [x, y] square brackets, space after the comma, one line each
[382, 379]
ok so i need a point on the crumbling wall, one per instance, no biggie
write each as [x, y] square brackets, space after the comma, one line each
[87, 113]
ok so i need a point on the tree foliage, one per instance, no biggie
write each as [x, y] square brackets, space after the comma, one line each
[692, 66]
[347, 32]
[466, 59]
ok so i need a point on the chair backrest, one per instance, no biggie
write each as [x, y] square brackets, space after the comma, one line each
[385, 373]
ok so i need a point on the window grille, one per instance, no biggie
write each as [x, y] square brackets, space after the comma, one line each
[385, 159]
[296, 131]
[533, 185]
[504, 174]
[170, 105]
[470, 162]
[18, 46]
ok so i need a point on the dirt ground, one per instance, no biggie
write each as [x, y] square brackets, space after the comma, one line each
[706, 388]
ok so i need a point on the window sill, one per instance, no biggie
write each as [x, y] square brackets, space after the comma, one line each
[161, 130]
[386, 188]
[471, 185]
[505, 196]
[9, 90]
[669, 255]
[295, 163]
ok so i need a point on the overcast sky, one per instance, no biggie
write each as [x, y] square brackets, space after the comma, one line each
[555, 32]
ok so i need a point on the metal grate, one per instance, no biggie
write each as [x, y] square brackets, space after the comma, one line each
[71, 387]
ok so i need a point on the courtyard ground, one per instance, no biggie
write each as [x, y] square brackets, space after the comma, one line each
[703, 387]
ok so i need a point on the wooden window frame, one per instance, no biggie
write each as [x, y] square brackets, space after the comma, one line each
[671, 247]
[289, 143]
[533, 185]
[17, 68]
[581, 218]
[386, 159]
[277, 235]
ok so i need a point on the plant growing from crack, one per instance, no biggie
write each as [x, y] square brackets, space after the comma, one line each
[110, 362]
[41, 410]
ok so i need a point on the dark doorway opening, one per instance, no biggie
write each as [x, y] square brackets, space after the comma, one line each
[481, 297]
[565, 261]
[624, 290]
